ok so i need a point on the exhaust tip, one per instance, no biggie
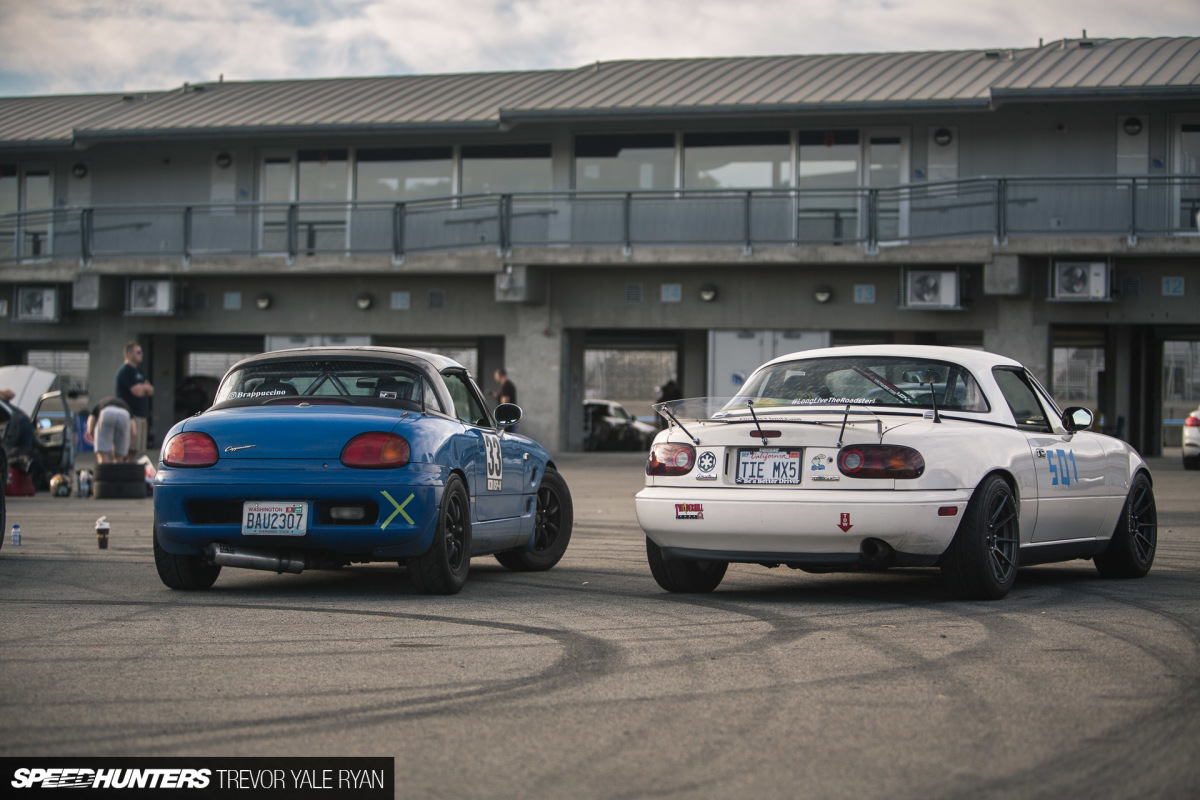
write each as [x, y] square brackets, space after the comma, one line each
[877, 553]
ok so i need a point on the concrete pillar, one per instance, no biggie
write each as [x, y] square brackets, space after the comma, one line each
[535, 362]
[106, 354]
[573, 380]
[1018, 335]
[163, 377]
[693, 364]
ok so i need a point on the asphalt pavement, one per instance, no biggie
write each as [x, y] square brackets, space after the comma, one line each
[589, 681]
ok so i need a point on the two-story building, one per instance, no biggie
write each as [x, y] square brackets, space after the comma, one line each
[1039, 202]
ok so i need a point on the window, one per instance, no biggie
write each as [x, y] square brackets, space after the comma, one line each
[403, 174]
[324, 185]
[829, 166]
[30, 191]
[467, 406]
[625, 163]
[506, 168]
[757, 160]
[879, 381]
[1022, 401]
[371, 383]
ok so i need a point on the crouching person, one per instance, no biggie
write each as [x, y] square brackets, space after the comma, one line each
[110, 428]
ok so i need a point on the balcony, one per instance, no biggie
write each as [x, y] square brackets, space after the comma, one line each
[863, 219]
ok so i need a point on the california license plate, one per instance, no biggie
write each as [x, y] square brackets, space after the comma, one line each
[274, 518]
[768, 465]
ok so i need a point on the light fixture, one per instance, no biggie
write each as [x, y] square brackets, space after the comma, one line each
[79, 170]
[823, 294]
[224, 160]
[708, 293]
[1133, 126]
[262, 302]
[364, 301]
[942, 137]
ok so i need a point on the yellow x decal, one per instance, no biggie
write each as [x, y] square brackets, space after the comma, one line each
[399, 510]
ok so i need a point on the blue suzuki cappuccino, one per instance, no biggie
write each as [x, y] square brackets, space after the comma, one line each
[321, 457]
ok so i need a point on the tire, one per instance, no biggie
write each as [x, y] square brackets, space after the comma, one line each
[119, 472]
[443, 568]
[1191, 462]
[981, 563]
[552, 532]
[1131, 549]
[123, 490]
[684, 576]
[190, 573]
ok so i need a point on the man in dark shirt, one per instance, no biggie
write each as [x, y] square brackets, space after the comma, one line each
[133, 388]
[507, 391]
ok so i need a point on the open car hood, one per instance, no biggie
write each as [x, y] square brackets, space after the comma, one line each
[29, 383]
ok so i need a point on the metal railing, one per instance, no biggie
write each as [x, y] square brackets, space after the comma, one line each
[996, 208]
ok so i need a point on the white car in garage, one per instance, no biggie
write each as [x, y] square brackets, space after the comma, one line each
[1191, 440]
[889, 456]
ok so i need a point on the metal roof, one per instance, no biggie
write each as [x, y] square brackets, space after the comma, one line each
[52, 121]
[1074, 68]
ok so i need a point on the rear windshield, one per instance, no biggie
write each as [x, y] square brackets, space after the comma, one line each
[341, 382]
[879, 381]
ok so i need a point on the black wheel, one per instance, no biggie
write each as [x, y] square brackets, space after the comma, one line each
[981, 562]
[443, 568]
[684, 576]
[1191, 462]
[183, 572]
[123, 490]
[119, 472]
[552, 534]
[1131, 550]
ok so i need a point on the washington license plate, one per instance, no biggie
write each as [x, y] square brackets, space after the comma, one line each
[274, 518]
[768, 465]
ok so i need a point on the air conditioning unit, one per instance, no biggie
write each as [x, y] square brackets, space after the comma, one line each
[37, 304]
[151, 297]
[931, 289]
[1080, 280]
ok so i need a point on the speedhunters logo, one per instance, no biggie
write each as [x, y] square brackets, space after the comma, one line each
[76, 778]
[197, 778]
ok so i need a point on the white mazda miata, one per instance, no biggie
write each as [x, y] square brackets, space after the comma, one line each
[891, 455]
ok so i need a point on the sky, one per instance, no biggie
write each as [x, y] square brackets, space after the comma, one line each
[96, 46]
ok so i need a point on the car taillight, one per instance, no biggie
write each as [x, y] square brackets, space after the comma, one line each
[880, 461]
[376, 450]
[190, 449]
[670, 459]
[1192, 421]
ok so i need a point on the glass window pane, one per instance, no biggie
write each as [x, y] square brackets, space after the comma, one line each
[625, 163]
[511, 168]
[737, 161]
[401, 175]
[8, 205]
[324, 177]
[277, 188]
[37, 225]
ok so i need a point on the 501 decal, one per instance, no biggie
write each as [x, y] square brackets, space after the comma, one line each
[1063, 470]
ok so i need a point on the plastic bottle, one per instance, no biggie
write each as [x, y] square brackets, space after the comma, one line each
[16, 535]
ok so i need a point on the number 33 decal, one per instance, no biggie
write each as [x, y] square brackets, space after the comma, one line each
[495, 464]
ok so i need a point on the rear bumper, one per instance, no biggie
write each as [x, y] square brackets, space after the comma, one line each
[193, 510]
[801, 526]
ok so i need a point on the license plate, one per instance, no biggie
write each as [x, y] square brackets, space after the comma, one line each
[274, 518]
[768, 466]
